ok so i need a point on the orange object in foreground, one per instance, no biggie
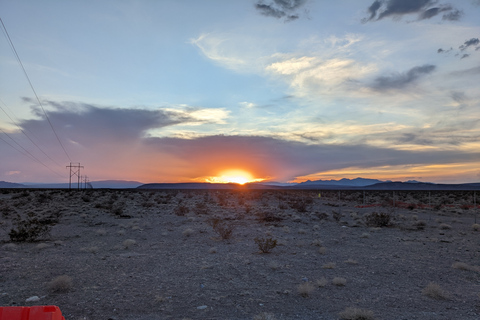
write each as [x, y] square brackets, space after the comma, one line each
[31, 313]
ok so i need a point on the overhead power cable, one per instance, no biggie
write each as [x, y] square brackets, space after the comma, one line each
[26, 153]
[33, 89]
[21, 130]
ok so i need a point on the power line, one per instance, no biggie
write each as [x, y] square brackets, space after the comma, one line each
[31, 86]
[20, 128]
[27, 153]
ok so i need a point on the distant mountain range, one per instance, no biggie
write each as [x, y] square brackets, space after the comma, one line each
[351, 184]
[104, 184]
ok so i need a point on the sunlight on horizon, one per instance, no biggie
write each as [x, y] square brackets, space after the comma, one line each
[233, 176]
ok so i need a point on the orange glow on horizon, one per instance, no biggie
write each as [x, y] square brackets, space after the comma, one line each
[233, 176]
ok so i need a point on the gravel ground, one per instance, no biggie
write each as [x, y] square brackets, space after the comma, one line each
[129, 254]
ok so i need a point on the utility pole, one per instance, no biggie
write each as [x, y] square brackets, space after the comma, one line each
[85, 180]
[74, 171]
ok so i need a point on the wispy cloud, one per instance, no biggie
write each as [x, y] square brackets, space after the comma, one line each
[401, 80]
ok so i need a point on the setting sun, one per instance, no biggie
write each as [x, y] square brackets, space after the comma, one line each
[233, 176]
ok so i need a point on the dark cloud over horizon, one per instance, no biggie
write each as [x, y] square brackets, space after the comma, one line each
[424, 9]
[401, 80]
[280, 8]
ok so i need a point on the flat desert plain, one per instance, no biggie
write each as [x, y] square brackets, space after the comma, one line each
[197, 254]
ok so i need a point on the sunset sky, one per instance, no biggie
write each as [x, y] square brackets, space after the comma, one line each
[282, 90]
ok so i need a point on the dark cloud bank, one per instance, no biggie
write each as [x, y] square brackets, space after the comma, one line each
[399, 81]
[286, 9]
[117, 138]
[424, 9]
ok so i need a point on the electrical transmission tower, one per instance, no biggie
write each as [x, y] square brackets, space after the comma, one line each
[74, 171]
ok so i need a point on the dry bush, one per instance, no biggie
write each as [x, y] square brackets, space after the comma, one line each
[264, 316]
[465, 266]
[101, 232]
[60, 284]
[212, 250]
[322, 282]
[365, 235]
[93, 249]
[317, 243]
[305, 289]
[434, 291]
[420, 224]
[445, 226]
[330, 265]
[322, 250]
[222, 228]
[188, 232]
[377, 220]
[351, 261]
[181, 210]
[127, 244]
[30, 230]
[265, 244]
[476, 227]
[338, 281]
[42, 246]
[356, 314]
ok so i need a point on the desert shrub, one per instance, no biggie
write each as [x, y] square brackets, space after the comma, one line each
[340, 282]
[420, 225]
[266, 244]
[377, 220]
[330, 265]
[181, 210]
[223, 229]
[445, 226]
[264, 316]
[434, 291]
[60, 284]
[321, 215]
[29, 230]
[305, 289]
[336, 215]
[267, 216]
[356, 314]
[476, 227]
[127, 244]
[465, 266]
[322, 282]
[200, 208]
[86, 198]
[188, 232]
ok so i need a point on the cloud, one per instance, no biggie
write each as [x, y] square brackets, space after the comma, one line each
[402, 80]
[280, 8]
[425, 9]
[469, 43]
[112, 143]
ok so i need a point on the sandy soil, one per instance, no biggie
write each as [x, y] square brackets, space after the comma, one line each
[156, 255]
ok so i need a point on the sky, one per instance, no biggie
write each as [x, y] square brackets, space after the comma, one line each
[272, 90]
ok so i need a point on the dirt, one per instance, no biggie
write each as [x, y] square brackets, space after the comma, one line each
[179, 267]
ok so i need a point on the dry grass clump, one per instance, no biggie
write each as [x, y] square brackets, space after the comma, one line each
[338, 281]
[356, 314]
[10, 247]
[365, 235]
[264, 316]
[60, 284]
[101, 232]
[188, 232]
[445, 226]
[322, 282]
[476, 227]
[212, 250]
[351, 261]
[330, 265]
[465, 266]
[322, 250]
[42, 246]
[305, 289]
[317, 243]
[434, 291]
[265, 244]
[127, 244]
[93, 249]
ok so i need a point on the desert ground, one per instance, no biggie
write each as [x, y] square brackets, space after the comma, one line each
[240, 254]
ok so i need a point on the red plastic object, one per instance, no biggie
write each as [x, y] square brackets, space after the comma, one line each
[31, 313]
